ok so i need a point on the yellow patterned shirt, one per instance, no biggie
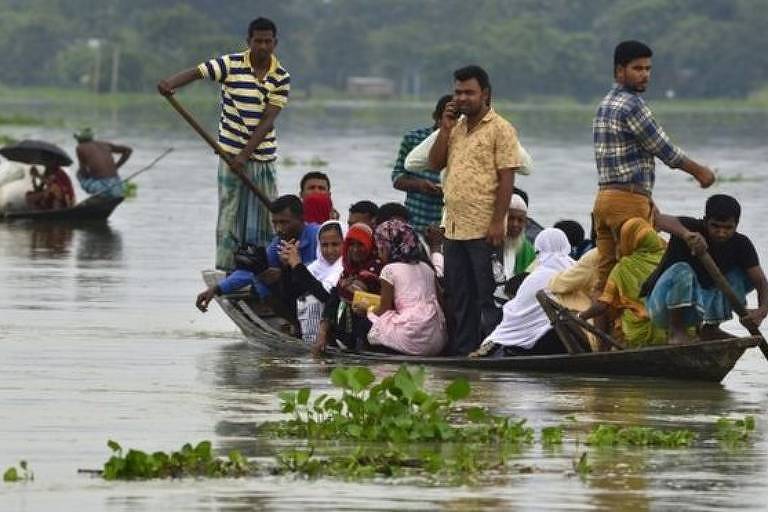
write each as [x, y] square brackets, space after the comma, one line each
[471, 176]
[243, 98]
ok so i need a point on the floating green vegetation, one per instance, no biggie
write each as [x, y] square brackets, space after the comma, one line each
[5, 140]
[552, 436]
[610, 436]
[734, 432]
[20, 474]
[288, 161]
[197, 461]
[19, 120]
[316, 161]
[581, 466]
[398, 409]
[130, 189]
[405, 429]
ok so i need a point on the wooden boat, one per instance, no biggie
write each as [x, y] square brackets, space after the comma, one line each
[705, 361]
[91, 209]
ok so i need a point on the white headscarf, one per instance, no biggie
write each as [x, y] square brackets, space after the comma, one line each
[512, 245]
[524, 321]
[324, 271]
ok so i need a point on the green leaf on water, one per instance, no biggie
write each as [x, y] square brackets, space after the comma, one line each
[363, 377]
[303, 396]
[114, 446]
[339, 378]
[11, 475]
[458, 389]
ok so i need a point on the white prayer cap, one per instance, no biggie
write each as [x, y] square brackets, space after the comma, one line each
[517, 203]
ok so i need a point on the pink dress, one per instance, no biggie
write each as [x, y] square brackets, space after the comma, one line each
[417, 325]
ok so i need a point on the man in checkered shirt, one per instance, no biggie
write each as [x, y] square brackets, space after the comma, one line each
[627, 138]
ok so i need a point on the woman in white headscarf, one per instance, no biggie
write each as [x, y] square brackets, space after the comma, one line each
[312, 284]
[525, 327]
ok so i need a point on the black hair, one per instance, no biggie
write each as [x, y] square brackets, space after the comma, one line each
[262, 24]
[627, 51]
[314, 175]
[288, 202]
[476, 72]
[331, 226]
[389, 211]
[440, 107]
[365, 207]
[573, 231]
[722, 207]
[522, 193]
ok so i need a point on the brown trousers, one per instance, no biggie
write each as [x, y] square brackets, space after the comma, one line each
[612, 208]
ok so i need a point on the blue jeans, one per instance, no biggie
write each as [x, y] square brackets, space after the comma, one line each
[679, 287]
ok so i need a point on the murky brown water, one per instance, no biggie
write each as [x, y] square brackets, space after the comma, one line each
[99, 338]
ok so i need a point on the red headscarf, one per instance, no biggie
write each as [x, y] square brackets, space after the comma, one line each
[368, 270]
[317, 208]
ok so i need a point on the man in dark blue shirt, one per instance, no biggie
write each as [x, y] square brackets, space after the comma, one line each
[288, 222]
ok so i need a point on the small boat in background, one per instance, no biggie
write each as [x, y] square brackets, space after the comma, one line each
[17, 180]
[702, 361]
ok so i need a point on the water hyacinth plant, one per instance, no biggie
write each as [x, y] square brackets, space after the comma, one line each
[189, 461]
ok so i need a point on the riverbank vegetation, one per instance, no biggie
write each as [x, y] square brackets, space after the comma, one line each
[558, 48]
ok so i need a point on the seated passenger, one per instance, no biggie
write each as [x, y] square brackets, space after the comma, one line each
[518, 250]
[52, 190]
[312, 283]
[640, 250]
[575, 234]
[572, 287]
[340, 324]
[316, 182]
[431, 239]
[409, 319]
[288, 223]
[317, 207]
[682, 294]
[363, 211]
[525, 327]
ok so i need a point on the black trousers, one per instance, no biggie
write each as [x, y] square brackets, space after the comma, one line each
[470, 286]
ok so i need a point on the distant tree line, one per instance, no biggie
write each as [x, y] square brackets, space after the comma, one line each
[704, 48]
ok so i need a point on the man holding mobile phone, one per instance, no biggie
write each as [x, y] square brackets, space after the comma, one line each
[479, 151]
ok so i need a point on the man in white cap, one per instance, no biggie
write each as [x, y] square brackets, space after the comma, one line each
[518, 250]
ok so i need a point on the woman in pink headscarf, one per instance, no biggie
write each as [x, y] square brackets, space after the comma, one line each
[409, 318]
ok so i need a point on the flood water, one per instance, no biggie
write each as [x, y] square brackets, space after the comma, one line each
[99, 337]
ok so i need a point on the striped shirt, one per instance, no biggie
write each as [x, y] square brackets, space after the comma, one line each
[627, 138]
[243, 99]
[424, 209]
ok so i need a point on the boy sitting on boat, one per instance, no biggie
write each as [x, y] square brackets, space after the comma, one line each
[274, 282]
[681, 293]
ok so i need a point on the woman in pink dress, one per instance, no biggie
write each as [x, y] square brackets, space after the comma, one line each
[409, 319]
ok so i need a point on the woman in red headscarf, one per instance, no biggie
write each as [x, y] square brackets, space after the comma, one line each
[361, 272]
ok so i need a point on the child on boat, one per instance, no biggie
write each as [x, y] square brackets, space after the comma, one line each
[361, 270]
[312, 283]
[409, 319]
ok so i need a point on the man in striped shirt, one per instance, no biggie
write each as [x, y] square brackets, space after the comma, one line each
[627, 138]
[254, 89]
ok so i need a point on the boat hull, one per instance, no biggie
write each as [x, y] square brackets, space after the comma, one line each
[702, 361]
[96, 209]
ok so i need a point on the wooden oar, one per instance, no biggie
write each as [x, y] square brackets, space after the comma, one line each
[218, 149]
[725, 287]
